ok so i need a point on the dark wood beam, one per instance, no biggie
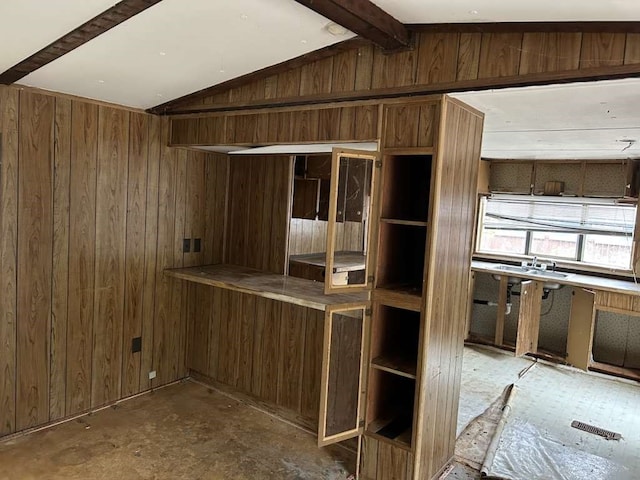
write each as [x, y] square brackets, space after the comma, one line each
[364, 18]
[120, 12]
[534, 79]
[168, 107]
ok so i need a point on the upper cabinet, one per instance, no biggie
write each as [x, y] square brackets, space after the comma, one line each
[350, 202]
[572, 178]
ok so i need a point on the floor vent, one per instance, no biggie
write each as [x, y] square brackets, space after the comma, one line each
[596, 431]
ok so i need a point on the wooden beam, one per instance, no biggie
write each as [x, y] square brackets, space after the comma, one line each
[168, 107]
[534, 79]
[364, 18]
[120, 12]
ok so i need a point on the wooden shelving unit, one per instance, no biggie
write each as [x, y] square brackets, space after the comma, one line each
[426, 203]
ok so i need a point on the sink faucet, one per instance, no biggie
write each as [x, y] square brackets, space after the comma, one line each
[534, 262]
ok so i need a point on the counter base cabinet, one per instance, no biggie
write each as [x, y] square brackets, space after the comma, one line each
[427, 200]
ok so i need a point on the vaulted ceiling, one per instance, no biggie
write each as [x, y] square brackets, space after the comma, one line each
[170, 48]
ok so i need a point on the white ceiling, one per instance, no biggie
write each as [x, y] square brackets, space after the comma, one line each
[581, 120]
[180, 46]
[463, 11]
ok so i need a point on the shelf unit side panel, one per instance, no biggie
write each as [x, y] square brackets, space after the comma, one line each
[445, 296]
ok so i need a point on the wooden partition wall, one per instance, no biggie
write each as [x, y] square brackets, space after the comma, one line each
[258, 212]
[93, 206]
[267, 349]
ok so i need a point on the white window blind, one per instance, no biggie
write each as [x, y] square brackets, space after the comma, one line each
[572, 217]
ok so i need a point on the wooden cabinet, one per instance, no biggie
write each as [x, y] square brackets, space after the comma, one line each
[581, 178]
[423, 255]
[353, 177]
[341, 404]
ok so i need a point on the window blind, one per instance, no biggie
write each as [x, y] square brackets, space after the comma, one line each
[570, 217]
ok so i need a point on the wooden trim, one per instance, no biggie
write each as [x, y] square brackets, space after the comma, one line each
[337, 154]
[336, 48]
[502, 307]
[527, 27]
[364, 18]
[534, 79]
[120, 12]
[323, 439]
[529, 318]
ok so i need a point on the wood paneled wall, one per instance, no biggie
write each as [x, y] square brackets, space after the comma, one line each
[310, 236]
[260, 190]
[267, 349]
[93, 206]
[355, 122]
[441, 58]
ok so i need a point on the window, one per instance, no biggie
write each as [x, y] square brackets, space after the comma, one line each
[591, 231]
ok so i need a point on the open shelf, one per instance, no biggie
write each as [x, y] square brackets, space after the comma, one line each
[390, 407]
[396, 364]
[395, 221]
[401, 254]
[394, 340]
[405, 187]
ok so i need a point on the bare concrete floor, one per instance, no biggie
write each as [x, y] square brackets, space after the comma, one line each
[185, 431]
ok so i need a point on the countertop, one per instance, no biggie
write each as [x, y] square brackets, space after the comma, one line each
[572, 279]
[298, 291]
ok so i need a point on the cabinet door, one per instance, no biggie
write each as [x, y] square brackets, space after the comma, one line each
[581, 323]
[341, 408]
[350, 221]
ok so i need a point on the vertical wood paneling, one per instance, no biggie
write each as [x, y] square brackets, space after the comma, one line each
[247, 325]
[344, 71]
[438, 58]
[601, 49]
[549, 52]
[289, 83]
[162, 333]
[111, 224]
[200, 310]
[35, 238]
[315, 77]
[173, 365]
[60, 267]
[135, 250]
[247, 209]
[632, 49]
[150, 253]
[499, 54]
[468, 56]
[364, 67]
[312, 364]
[9, 113]
[82, 231]
[215, 198]
[79, 192]
[292, 335]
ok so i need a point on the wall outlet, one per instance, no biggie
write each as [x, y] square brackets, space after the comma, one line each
[152, 374]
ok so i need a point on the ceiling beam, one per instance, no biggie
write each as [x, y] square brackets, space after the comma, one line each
[120, 12]
[364, 18]
[527, 27]
[314, 56]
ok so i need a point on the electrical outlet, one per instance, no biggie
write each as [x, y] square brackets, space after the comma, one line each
[136, 344]
[152, 374]
[186, 245]
[197, 245]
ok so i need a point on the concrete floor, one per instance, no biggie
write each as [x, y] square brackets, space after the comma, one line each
[184, 431]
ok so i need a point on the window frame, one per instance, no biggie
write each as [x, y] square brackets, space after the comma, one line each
[577, 263]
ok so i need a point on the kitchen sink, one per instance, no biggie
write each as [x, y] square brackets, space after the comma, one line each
[530, 273]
